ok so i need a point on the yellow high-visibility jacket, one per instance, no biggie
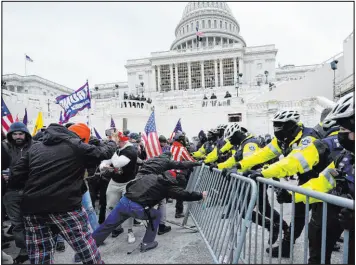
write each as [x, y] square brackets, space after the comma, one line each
[203, 150]
[300, 160]
[227, 146]
[248, 147]
[214, 154]
[273, 150]
[324, 183]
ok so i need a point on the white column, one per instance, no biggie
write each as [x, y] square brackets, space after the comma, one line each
[171, 74]
[235, 71]
[202, 74]
[176, 72]
[189, 76]
[159, 77]
[216, 73]
[242, 70]
[221, 73]
[153, 80]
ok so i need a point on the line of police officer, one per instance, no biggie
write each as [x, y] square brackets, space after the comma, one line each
[307, 152]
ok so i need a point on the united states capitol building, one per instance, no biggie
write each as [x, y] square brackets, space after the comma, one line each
[191, 80]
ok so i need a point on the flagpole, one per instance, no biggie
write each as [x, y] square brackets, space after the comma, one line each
[25, 65]
[88, 110]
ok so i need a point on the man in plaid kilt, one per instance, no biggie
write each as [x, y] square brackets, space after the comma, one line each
[51, 175]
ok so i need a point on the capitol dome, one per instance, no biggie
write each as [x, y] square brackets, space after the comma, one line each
[214, 19]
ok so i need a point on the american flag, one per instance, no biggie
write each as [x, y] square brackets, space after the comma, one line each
[6, 117]
[28, 58]
[176, 129]
[150, 138]
[112, 123]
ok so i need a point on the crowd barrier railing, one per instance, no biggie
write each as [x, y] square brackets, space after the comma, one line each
[234, 197]
[326, 200]
[232, 239]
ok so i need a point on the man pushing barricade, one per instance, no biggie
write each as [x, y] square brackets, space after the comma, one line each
[151, 186]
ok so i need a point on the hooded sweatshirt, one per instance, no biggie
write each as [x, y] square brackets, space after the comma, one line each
[10, 151]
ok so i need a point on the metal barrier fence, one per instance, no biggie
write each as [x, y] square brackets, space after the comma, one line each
[226, 236]
[328, 201]
[235, 197]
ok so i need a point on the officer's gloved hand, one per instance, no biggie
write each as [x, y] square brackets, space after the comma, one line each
[283, 196]
[346, 219]
[227, 172]
[238, 166]
[252, 174]
[198, 163]
[211, 166]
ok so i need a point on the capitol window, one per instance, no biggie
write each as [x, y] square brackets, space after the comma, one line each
[140, 77]
[228, 72]
[209, 24]
[187, 28]
[225, 25]
[215, 24]
[183, 76]
[183, 30]
[230, 27]
[220, 24]
[196, 75]
[191, 25]
[235, 117]
[209, 73]
[203, 24]
[165, 78]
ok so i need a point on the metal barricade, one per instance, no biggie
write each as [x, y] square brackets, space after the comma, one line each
[299, 252]
[224, 218]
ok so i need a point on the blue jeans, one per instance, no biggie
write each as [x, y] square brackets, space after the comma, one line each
[122, 211]
[88, 206]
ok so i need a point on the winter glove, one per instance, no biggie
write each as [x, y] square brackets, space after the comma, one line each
[238, 165]
[283, 196]
[198, 164]
[347, 219]
[212, 166]
[94, 141]
[226, 173]
[252, 174]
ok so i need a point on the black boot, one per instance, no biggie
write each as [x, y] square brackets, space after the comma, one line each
[179, 215]
[6, 238]
[275, 233]
[21, 259]
[117, 232]
[285, 250]
[163, 229]
[60, 247]
[9, 231]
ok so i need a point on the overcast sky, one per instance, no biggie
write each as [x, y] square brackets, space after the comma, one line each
[70, 42]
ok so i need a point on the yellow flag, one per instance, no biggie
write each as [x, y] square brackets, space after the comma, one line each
[39, 124]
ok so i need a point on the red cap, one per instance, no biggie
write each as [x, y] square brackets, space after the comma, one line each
[122, 137]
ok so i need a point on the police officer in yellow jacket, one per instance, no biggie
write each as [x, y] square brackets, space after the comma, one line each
[247, 146]
[290, 134]
[338, 179]
[213, 156]
[208, 146]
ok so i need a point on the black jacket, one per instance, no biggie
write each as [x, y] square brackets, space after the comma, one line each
[52, 171]
[149, 190]
[159, 164]
[151, 186]
[10, 152]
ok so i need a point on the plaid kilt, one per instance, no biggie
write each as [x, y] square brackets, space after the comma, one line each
[42, 229]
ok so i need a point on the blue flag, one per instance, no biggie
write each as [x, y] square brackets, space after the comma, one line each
[97, 134]
[112, 123]
[75, 102]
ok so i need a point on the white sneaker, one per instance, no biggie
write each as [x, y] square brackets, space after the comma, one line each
[131, 238]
